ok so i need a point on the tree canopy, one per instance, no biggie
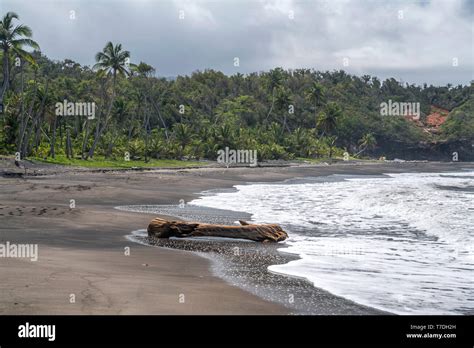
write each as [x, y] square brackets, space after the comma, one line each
[282, 114]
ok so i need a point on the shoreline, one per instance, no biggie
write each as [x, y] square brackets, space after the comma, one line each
[81, 249]
[245, 265]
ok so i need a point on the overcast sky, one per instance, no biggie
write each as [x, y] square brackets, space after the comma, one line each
[413, 41]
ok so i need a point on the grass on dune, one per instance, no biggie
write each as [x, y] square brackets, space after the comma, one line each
[101, 162]
[334, 159]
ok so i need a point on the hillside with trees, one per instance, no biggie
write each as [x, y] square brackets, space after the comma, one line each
[283, 114]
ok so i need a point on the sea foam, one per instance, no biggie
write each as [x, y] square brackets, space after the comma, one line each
[401, 243]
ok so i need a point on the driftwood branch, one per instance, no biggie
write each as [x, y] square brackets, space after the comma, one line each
[161, 228]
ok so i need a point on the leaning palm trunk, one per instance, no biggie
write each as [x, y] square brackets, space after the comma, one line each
[26, 142]
[39, 130]
[69, 153]
[271, 106]
[35, 123]
[84, 141]
[316, 116]
[147, 133]
[358, 153]
[6, 74]
[161, 118]
[96, 139]
[99, 130]
[285, 125]
[53, 138]
[22, 110]
[24, 122]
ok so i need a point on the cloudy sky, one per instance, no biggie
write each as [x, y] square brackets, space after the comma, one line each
[413, 41]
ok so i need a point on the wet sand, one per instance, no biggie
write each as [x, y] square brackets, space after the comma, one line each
[82, 250]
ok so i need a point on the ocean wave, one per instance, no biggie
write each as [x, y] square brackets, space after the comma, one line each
[402, 243]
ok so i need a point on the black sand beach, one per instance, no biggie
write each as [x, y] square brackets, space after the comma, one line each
[82, 249]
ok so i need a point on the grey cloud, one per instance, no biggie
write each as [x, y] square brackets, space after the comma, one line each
[418, 48]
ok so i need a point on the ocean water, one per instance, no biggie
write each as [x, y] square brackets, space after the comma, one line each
[403, 243]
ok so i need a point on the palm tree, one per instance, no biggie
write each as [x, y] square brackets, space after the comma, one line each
[275, 133]
[275, 79]
[316, 96]
[282, 100]
[300, 142]
[45, 101]
[183, 134]
[331, 142]
[13, 39]
[112, 60]
[368, 141]
[143, 70]
[225, 136]
[327, 119]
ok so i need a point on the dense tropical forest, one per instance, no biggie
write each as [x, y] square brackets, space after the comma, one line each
[283, 114]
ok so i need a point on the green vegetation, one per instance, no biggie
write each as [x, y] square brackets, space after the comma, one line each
[460, 122]
[283, 114]
[101, 162]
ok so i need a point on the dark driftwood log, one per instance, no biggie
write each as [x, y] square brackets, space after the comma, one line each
[161, 228]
